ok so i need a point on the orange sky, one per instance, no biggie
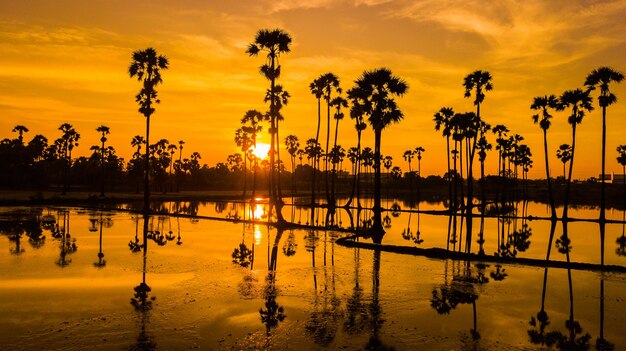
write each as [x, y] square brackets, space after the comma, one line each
[66, 61]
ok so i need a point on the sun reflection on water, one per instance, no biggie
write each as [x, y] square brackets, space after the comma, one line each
[257, 235]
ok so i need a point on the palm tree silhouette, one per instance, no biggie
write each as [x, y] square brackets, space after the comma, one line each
[374, 92]
[564, 153]
[443, 122]
[68, 141]
[146, 65]
[478, 82]
[621, 159]
[356, 113]
[251, 126]
[330, 83]
[579, 101]
[602, 77]
[418, 151]
[20, 129]
[316, 88]
[137, 142]
[542, 104]
[292, 145]
[274, 42]
[104, 130]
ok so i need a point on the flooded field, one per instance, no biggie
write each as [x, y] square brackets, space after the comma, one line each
[75, 279]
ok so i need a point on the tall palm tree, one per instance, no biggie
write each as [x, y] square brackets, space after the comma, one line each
[274, 42]
[68, 141]
[356, 113]
[330, 84]
[621, 159]
[375, 91]
[542, 104]
[408, 157]
[443, 122]
[105, 131]
[292, 145]
[137, 142]
[578, 101]
[602, 77]
[316, 88]
[146, 65]
[477, 82]
[564, 153]
[251, 122]
[339, 103]
[171, 149]
[20, 130]
[418, 152]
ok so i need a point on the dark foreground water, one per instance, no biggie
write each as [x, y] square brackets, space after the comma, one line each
[72, 279]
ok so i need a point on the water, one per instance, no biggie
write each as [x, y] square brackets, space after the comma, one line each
[59, 293]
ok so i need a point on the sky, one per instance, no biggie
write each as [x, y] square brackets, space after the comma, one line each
[67, 61]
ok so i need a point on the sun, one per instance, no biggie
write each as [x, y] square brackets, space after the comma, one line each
[261, 150]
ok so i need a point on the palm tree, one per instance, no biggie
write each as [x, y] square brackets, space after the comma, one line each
[602, 77]
[68, 141]
[564, 153]
[418, 151]
[316, 88]
[171, 149]
[251, 122]
[20, 129]
[274, 42]
[621, 159]
[542, 104]
[104, 130]
[181, 144]
[292, 145]
[356, 113]
[330, 83]
[375, 91]
[479, 82]
[443, 122]
[408, 157]
[137, 141]
[579, 101]
[146, 65]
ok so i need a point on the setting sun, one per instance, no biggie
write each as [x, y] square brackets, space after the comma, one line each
[261, 150]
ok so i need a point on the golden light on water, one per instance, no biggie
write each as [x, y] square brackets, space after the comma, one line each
[261, 150]
[259, 212]
[257, 235]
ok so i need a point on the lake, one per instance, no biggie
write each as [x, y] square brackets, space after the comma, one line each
[74, 279]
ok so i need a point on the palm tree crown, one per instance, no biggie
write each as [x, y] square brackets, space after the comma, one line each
[602, 77]
[479, 81]
[579, 101]
[543, 103]
[374, 91]
[146, 65]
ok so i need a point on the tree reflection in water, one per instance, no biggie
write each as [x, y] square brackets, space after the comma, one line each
[573, 338]
[273, 313]
[461, 289]
[141, 300]
[67, 243]
[323, 322]
[29, 223]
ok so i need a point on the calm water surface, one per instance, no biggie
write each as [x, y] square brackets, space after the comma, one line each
[74, 279]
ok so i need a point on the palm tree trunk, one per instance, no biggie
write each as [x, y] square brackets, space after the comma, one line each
[102, 169]
[317, 137]
[326, 158]
[545, 150]
[569, 177]
[146, 183]
[449, 178]
[602, 184]
[377, 227]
